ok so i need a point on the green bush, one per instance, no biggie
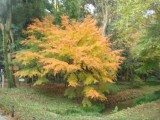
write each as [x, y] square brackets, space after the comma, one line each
[95, 108]
[148, 98]
[137, 82]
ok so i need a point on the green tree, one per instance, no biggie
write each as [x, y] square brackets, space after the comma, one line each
[72, 8]
[23, 13]
[131, 19]
[148, 47]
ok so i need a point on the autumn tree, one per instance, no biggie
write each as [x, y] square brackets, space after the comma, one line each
[77, 50]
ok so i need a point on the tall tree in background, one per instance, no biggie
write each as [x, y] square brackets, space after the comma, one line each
[133, 17]
[23, 13]
[148, 47]
[75, 9]
[103, 12]
[6, 22]
[124, 20]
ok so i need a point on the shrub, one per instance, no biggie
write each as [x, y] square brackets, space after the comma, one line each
[137, 82]
[95, 108]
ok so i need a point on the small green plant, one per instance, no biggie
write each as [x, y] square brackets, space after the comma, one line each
[115, 109]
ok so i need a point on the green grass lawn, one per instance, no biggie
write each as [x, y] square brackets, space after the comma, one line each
[30, 103]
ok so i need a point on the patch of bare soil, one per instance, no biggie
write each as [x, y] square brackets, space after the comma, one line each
[123, 96]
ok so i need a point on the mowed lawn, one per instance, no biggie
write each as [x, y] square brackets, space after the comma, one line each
[31, 104]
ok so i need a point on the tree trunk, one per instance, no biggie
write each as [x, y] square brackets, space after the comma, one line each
[106, 14]
[5, 34]
[105, 24]
[7, 41]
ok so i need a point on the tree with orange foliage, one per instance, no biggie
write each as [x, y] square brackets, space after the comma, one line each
[78, 50]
